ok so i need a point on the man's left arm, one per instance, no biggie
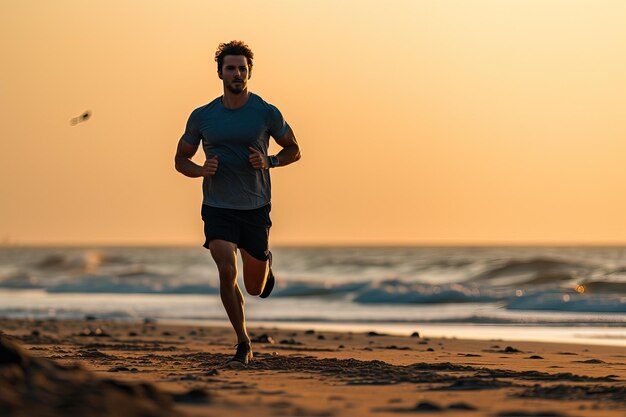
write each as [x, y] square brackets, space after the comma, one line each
[291, 150]
[289, 153]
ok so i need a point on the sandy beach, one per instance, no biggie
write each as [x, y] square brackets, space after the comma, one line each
[150, 369]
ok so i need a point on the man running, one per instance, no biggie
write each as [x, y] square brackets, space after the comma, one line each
[234, 130]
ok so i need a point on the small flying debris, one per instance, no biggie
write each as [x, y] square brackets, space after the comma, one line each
[82, 118]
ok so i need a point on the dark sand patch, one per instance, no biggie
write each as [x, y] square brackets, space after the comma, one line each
[357, 372]
[591, 361]
[427, 407]
[31, 386]
[474, 384]
[577, 392]
[530, 414]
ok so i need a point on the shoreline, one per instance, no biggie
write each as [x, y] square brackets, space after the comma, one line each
[606, 334]
[285, 313]
[540, 333]
[321, 373]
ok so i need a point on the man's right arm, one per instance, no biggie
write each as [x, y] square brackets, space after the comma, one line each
[183, 163]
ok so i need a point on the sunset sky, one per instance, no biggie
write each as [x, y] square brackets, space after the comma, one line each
[439, 122]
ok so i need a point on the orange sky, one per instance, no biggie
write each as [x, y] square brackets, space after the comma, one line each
[446, 122]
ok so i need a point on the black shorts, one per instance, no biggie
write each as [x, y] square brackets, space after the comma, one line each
[249, 229]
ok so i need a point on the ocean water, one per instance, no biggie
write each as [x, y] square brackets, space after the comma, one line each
[574, 294]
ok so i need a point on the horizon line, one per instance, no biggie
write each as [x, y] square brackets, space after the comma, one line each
[315, 244]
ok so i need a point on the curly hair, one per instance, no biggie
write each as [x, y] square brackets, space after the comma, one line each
[233, 48]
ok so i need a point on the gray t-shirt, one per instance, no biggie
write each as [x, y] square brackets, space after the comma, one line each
[228, 134]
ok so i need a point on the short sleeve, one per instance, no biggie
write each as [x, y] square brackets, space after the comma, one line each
[192, 133]
[278, 126]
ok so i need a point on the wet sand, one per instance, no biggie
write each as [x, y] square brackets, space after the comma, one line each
[105, 368]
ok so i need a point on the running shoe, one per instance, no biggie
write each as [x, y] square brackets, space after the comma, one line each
[269, 284]
[243, 356]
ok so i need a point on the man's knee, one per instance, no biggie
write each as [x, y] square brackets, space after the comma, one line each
[228, 273]
[254, 283]
[254, 290]
[224, 255]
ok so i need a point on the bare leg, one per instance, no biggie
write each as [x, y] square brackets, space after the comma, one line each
[225, 256]
[254, 273]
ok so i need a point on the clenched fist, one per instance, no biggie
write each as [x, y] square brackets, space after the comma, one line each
[210, 167]
[258, 160]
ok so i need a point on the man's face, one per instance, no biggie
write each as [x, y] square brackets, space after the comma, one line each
[235, 73]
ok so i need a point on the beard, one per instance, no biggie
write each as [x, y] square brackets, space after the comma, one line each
[236, 89]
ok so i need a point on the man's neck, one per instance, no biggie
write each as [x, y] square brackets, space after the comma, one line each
[234, 101]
